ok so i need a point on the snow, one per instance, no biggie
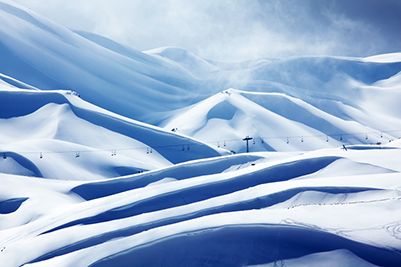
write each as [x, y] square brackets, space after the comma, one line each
[333, 258]
[279, 122]
[87, 181]
[254, 198]
[385, 58]
[95, 71]
[196, 65]
[149, 86]
[9, 83]
[44, 131]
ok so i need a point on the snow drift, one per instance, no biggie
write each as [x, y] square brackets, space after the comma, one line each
[58, 135]
[232, 211]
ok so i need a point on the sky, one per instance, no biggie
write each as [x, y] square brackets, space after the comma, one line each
[237, 29]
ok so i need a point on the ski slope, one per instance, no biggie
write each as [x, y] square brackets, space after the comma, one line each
[292, 104]
[56, 134]
[87, 181]
[333, 206]
[279, 122]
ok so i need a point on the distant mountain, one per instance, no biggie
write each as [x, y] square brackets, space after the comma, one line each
[191, 62]
[46, 55]
[296, 97]
[280, 122]
[298, 103]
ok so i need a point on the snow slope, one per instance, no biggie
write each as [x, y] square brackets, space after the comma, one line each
[58, 135]
[327, 98]
[156, 85]
[298, 103]
[122, 192]
[385, 58]
[7, 82]
[280, 122]
[265, 208]
[196, 65]
[49, 56]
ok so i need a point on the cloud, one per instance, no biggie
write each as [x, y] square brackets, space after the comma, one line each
[234, 29]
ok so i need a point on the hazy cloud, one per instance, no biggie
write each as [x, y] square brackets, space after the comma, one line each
[237, 29]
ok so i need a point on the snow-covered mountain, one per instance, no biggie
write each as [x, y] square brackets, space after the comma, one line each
[49, 56]
[194, 64]
[280, 122]
[149, 86]
[298, 103]
[86, 181]
[56, 134]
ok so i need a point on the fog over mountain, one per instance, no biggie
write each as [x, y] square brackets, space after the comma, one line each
[240, 29]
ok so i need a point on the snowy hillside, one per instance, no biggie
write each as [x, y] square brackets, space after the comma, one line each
[280, 122]
[196, 65]
[110, 156]
[319, 96]
[7, 83]
[333, 206]
[48, 56]
[300, 103]
[43, 54]
[58, 135]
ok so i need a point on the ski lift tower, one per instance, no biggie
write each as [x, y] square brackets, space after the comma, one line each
[247, 139]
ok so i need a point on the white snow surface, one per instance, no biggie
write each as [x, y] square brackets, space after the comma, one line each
[385, 58]
[338, 215]
[60, 136]
[86, 181]
[150, 85]
[280, 122]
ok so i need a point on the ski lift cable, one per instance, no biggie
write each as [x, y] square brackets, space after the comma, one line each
[178, 146]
